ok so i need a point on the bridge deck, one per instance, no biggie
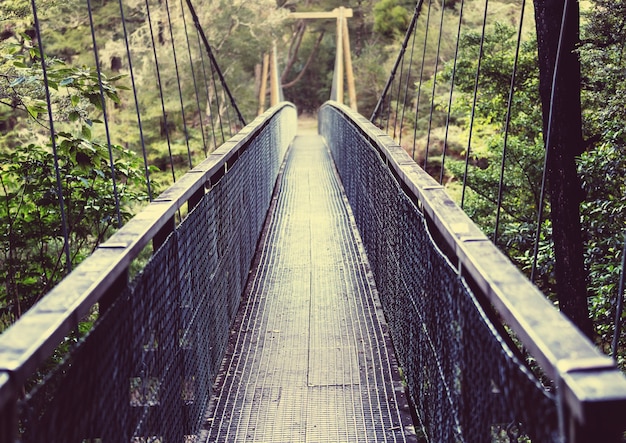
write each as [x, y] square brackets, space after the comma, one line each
[310, 359]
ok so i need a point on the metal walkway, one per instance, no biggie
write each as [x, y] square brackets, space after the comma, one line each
[309, 358]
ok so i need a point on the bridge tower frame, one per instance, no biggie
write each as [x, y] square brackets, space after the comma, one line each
[343, 72]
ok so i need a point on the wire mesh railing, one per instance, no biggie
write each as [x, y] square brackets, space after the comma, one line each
[489, 99]
[485, 355]
[98, 112]
[143, 351]
[451, 96]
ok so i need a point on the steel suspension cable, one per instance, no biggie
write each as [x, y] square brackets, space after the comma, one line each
[180, 89]
[55, 154]
[193, 76]
[452, 80]
[548, 140]
[432, 101]
[377, 119]
[160, 85]
[407, 35]
[212, 84]
[473, 113]
[230, 122]
[214, 61]
[217, 103]
[136, 98]
[389, 102]
[215, 68]
[105, 116]
[419, 85]
[408, 83]
[389, 107]
[207, 86]
[507, 123]
[395, 121]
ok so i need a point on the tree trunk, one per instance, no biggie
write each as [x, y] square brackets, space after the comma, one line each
[306, 64]
[566, 142]
[294, 48]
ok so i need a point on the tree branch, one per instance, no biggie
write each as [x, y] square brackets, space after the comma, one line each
[308, 62]
[294, 48]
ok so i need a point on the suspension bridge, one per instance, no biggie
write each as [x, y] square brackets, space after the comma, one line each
[304, 283]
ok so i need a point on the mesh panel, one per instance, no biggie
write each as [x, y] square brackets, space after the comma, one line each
[465, 382]
[144, 372]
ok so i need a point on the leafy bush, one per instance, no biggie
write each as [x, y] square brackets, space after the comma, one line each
[604, 222]
[521, 185]
[32, 240]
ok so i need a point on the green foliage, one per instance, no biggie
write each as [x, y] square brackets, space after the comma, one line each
[602, 171]
[495, 79]
[524, 155]
[240, 32]
[32, 243]
[602, 167]
[15, 10]
[603, 65]
[391, 18]
[369, 69]
[74, 91]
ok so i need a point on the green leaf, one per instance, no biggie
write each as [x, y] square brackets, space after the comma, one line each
[94, 99]
[75, 100]
[33, 111]
[113, 96]
[74, 116]
[86, 132]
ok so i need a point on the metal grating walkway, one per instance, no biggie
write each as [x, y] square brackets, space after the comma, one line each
[309, 360]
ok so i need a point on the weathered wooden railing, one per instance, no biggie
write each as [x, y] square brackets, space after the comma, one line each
[459, 311]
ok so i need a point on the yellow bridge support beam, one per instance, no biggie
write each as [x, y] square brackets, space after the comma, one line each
[348, 63]
[347, 12]
[275, 87]
[263, 89]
